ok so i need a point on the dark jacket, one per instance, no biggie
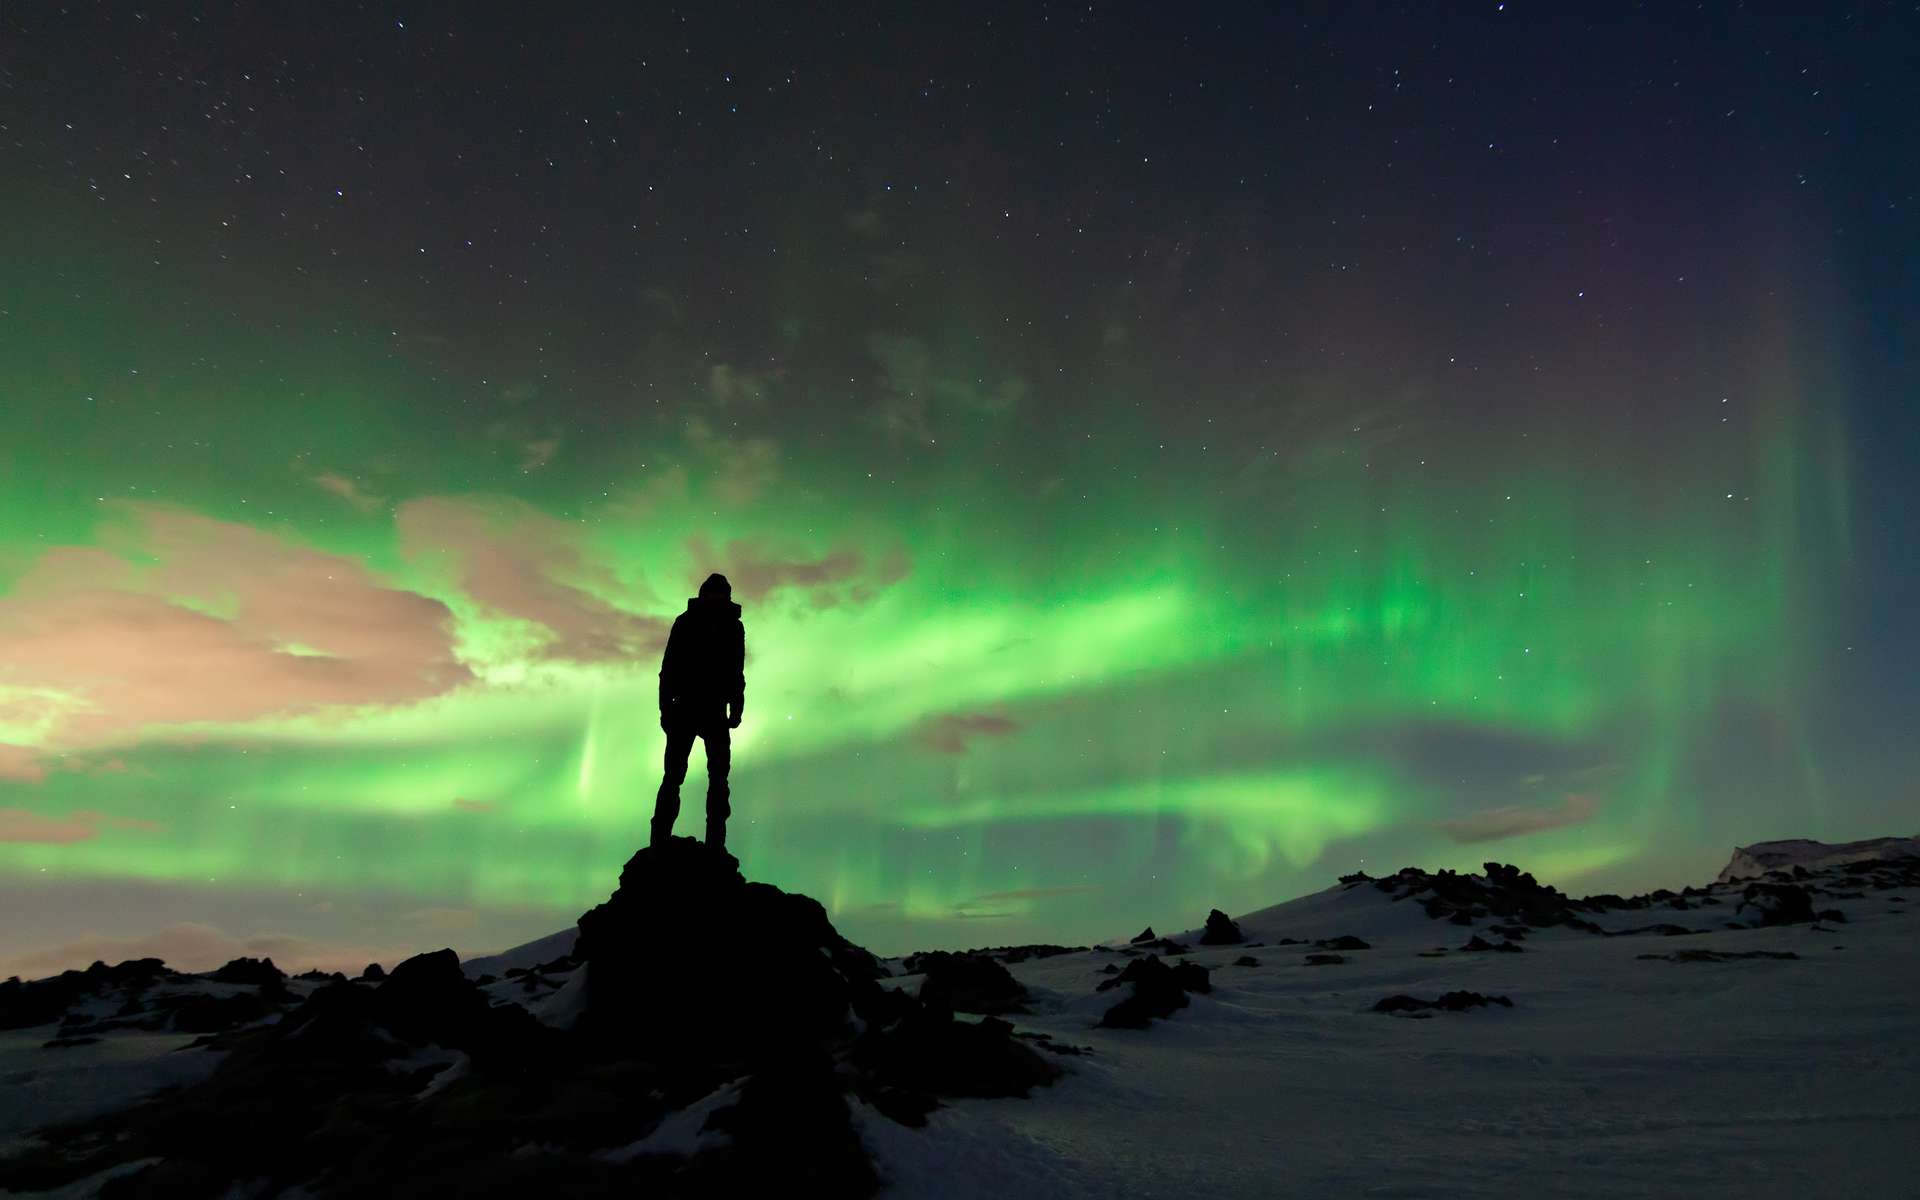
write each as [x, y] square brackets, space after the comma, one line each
[704, 668]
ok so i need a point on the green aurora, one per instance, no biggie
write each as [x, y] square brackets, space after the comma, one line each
[976, 712]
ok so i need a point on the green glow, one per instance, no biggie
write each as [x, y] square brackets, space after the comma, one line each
[960, 685]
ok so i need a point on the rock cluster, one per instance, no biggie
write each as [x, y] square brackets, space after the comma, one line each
[1221, 931]
[969, 983]
[1447, 1002]
[1505, 892]
[1159, 990]
[692, 984]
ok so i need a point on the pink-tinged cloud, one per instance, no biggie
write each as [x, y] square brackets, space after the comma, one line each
[350, 491]
[21, 764]
[476, 806]
[24, 825]
[181, 618]
[520, 562]
[952, 733]
[1513, 820]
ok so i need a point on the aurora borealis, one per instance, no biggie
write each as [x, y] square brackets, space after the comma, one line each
[1162, 466]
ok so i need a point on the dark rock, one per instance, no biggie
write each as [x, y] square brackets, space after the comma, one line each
[215, 1014]
[1696, 954]
[1513, 933]
[1164, 946]
[319, 976]
[25, 1003]
[969, 983]
[1221, 931]
[1145, 935]
[1477, 943]
[795, 1134]
[1345, 941]
[1246, 960]
[798, 984]
[1324, 960]
[1448, 1002]
[374, 973]
[65, 1043]
[1357, 877]
[1109, 969]
[255, 971]
[1778, 903]
[1005, 954]
[1834, 915]
[1505, 892]
[928, 1051]
[1158, 991]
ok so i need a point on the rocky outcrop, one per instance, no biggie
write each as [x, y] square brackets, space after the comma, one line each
[1447, 1002]
[1221, 931]
[1762, 858]
[969, 983]
[699, 987]
[1504, 893]
[659, 983]
[1158, 991]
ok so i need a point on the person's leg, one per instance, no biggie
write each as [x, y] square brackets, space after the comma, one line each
[719, 758]
[666, 803]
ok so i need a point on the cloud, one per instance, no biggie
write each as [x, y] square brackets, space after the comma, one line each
[1513, 820]
[916, 393]
[21, 764]
[190, 946]
[731, 386]
[756, 569]
[1035, 893]
[350, 491]
[735, 471]
[22, 825]
[865, 222]
[127, 635]
[511, 558]
[948, 733]
[538, 453]
[478, 806]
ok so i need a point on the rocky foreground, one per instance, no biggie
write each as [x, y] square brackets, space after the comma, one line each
[704, 1035]
[690, 986]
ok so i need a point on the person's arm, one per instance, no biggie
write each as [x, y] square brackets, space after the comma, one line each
[669, 673]
[738, 663]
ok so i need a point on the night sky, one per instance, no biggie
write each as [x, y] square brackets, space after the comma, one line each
[1166, 461]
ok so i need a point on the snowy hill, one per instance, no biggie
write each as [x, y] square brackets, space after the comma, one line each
[1753, 862]
[1413, 1035]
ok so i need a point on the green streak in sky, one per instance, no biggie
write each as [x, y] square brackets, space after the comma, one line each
[955, 690]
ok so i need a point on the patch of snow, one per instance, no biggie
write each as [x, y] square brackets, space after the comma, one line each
[43, 1087]
[681, 1133]
[561, 1007]
[527, 954]
[1752, 862]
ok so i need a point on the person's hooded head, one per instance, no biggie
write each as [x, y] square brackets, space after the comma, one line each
[716, 595]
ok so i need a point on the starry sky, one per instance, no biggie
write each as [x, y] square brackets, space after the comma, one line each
[1165, 459]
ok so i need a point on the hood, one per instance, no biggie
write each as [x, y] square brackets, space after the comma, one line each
[725, 608]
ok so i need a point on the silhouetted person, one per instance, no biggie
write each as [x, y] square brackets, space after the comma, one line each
[702, 677]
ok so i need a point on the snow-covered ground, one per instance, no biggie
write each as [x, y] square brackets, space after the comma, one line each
[1610, 1076]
